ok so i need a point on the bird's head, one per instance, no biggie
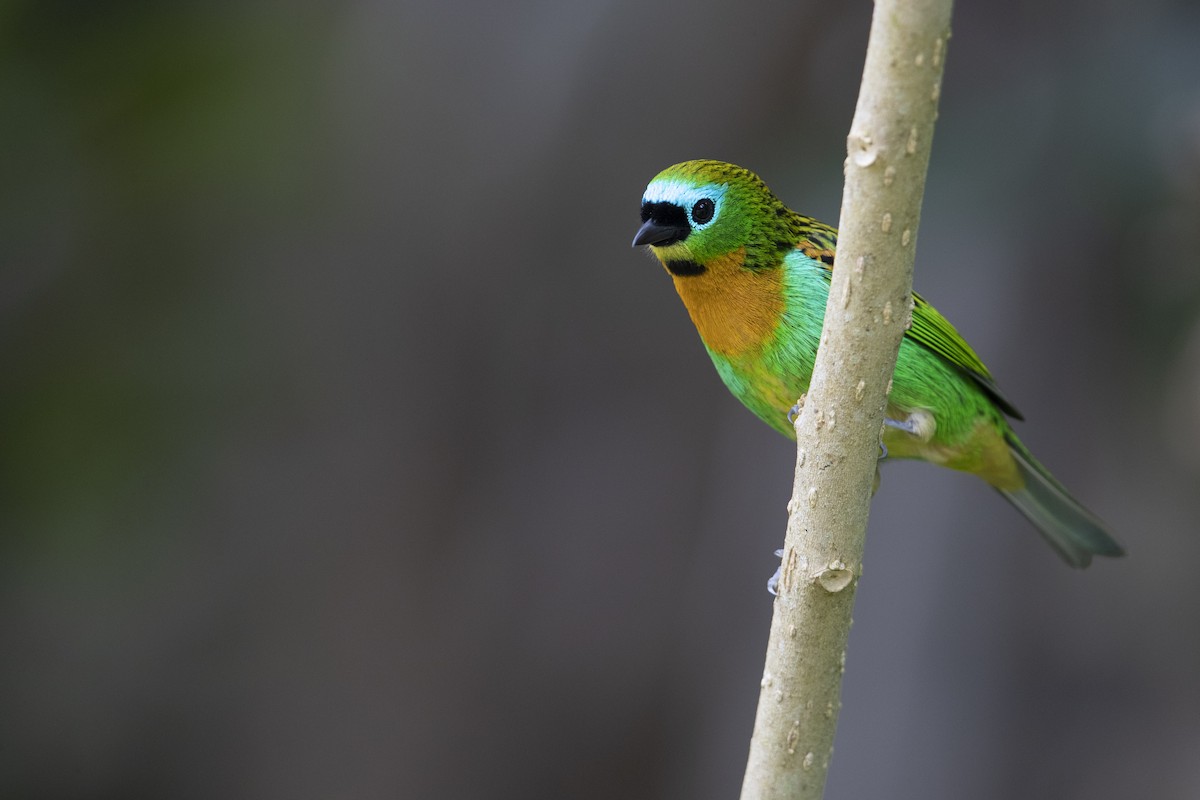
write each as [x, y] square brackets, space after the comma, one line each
[698, 211]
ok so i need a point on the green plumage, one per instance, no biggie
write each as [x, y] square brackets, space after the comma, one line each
[755, 278]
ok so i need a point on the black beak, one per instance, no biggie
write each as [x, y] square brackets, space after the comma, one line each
[655, 231]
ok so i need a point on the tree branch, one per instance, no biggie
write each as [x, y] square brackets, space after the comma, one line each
[838, 430]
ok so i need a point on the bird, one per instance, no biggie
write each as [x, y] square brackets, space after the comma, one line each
[755, 275]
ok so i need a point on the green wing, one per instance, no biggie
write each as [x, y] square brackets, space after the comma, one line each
[934, 332]
[929, 328]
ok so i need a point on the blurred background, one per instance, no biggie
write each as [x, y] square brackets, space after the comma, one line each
[347, 449]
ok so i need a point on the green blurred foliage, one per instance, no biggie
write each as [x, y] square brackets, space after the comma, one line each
[146, 142]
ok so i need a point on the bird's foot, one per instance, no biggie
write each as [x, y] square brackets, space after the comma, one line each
[773, 581]
[919, 423]
[794, 412]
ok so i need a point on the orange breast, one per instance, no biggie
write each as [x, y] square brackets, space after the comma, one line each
[734, 309]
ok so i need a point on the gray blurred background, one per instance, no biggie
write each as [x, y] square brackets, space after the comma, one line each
[348, 450]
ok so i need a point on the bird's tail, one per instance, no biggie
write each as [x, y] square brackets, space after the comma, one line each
[1073, 531]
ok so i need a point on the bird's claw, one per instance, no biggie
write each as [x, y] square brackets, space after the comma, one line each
[918, 423]
[795, 410]
[773, 581]
[905, 424]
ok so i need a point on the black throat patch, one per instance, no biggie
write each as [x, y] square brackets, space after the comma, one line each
[682, 268]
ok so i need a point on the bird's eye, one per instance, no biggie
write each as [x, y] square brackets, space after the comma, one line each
[703, 211]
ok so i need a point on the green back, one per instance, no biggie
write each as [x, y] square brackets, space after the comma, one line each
[929, 328]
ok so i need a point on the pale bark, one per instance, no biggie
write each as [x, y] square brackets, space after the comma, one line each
[838, 430]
